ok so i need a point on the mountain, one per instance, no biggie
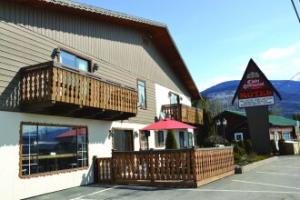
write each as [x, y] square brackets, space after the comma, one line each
[289, 90]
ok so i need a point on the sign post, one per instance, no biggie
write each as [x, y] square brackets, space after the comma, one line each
[255, 93]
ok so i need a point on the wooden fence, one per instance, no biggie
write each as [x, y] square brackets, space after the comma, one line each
[185, 168]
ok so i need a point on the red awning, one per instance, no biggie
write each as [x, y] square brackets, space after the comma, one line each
[167, 124]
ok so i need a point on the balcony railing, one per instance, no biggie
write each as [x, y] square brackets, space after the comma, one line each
[52, 89]
[184, 113]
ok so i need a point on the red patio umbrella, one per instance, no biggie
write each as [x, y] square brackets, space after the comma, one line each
[167, 124]
[72, 133]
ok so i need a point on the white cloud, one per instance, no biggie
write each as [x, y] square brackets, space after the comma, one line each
[279, 53]
[276, 63]
[280, 63]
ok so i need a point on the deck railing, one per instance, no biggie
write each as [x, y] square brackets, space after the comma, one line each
[52, 82]
[185, 167]
[184, 113]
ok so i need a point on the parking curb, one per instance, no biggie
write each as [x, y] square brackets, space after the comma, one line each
[242, 169]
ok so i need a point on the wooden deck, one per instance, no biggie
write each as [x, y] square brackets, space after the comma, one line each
[184, 113]
[50, 88]
[184, 168]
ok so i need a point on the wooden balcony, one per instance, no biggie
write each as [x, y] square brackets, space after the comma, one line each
[49, 88]
[184, 113]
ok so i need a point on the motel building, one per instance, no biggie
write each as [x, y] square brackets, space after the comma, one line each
[78, 81]
[236, 127]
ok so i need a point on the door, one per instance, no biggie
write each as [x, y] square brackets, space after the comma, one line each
[123, 140]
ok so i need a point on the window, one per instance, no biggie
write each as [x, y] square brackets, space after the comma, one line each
[190, 139]
[181, 140]
[123, 140]
[48, 148]
[185, 139]
[174, 98]
[159, 139]
[142, 94]
[73, 61]
[238, 136]
[286, 136]
[144, 143]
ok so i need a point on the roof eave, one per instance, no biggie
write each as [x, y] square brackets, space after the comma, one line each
[150, 26]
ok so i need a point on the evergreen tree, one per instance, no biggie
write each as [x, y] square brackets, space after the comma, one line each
[171, 140]
[296, 116]
[208, 128]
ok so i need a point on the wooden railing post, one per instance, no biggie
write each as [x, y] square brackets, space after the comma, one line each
[151, 155]
[112, 166]
[194, 166]
[96, 169]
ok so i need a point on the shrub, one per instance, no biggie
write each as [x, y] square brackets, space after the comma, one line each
[241, 144]
[248, 146]
[273, 147]
[281, 145]
[171, 140]
[213, 140]
[239, 152]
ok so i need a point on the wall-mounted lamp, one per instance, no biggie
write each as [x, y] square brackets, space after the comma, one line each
[95, 67]
[110, 133]
[55, 53]
[136, 134]
[222, 122]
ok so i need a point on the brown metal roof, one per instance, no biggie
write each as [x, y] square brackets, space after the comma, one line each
[158, 31]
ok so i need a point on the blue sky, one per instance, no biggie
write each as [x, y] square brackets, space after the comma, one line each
[217, 38]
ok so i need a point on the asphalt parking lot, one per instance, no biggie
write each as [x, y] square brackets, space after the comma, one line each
[278, 180]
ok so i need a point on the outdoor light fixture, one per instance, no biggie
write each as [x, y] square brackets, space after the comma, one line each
[221, 123]
[95, 67]
[136, 134]
[110, 133]
[224, 122]
[55, 53]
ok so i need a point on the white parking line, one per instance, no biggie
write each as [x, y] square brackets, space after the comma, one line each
[266, 184]
[283, 167]
[244, 191]
[90, 194]
[278, 174]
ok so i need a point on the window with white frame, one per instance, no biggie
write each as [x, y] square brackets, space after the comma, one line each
[238, 136]
[141, 85]
[74, 61]
[49, 148]
[286, 136]
[174, 98]
[144, 140]
[185, 139]
[159, 139]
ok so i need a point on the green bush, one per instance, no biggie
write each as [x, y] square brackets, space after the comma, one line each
[171, 140]
[213, 140]
[241, 144]
[281, 145]
[239, 152]
[273, 147]
[248, 146]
